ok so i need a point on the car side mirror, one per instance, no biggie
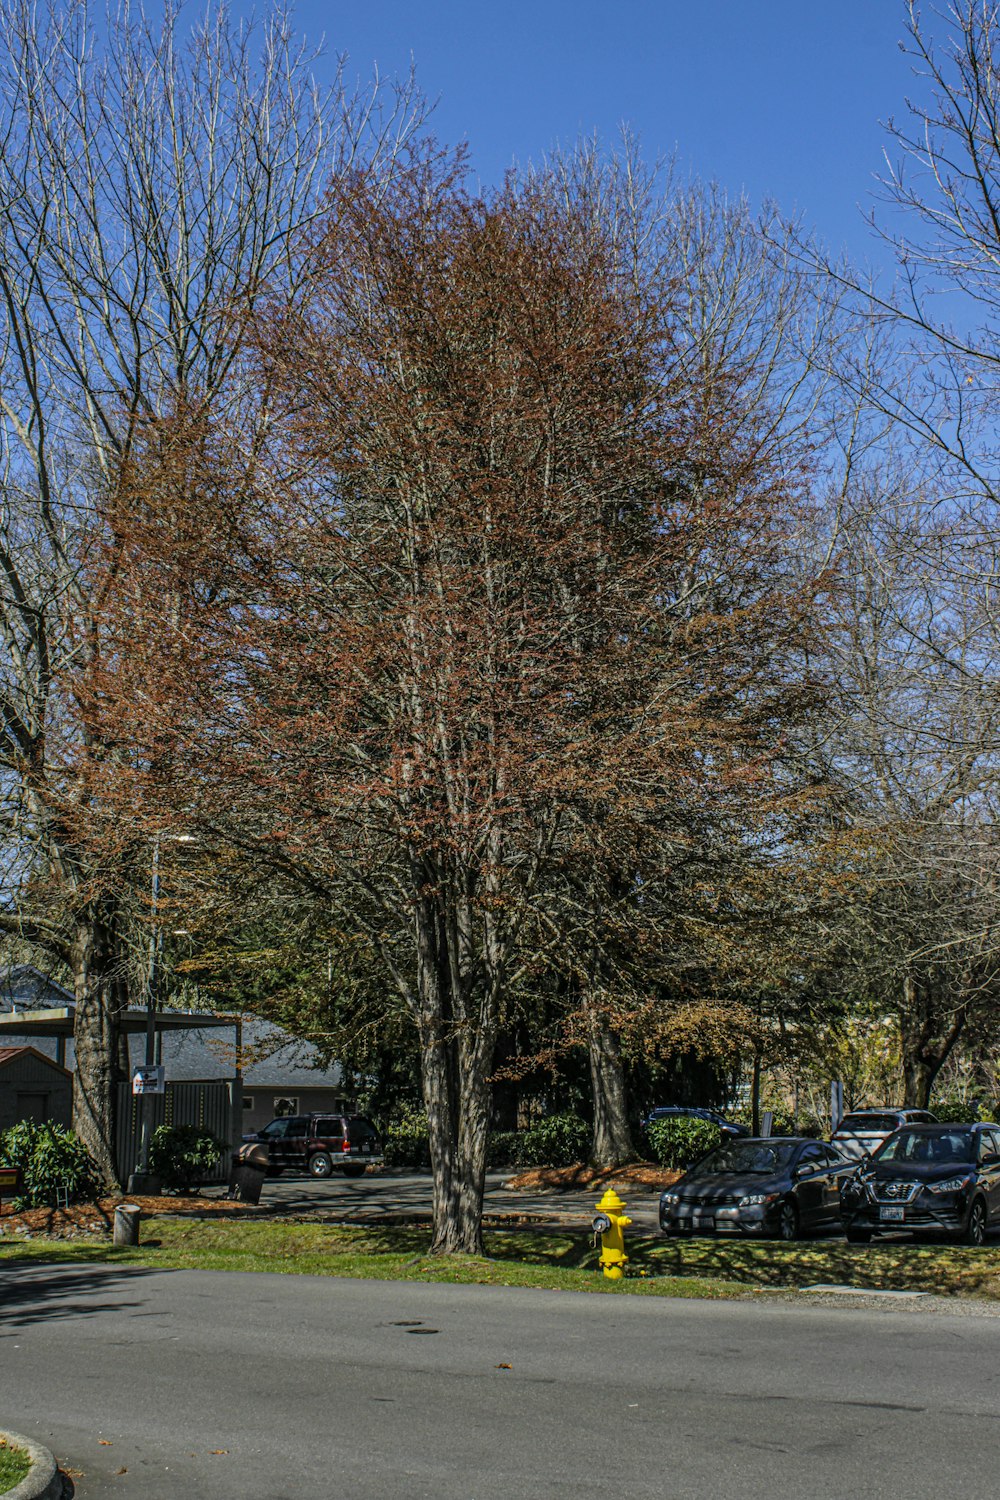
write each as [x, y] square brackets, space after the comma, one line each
[992, 1160]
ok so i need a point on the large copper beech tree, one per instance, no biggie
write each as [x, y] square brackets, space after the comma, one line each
[500, 583]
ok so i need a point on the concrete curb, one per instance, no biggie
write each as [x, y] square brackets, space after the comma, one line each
[43, 1480]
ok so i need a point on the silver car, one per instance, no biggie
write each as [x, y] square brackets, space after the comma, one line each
[861, 1132]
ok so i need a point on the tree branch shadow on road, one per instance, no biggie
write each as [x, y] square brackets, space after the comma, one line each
[32, 1292]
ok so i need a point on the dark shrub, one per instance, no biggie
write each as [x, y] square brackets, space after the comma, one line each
[184, 1155]
[951, 1109]
[503, 1148]
[51, 1159]
[557, 1141]
[405, 1144]
[676, 1142]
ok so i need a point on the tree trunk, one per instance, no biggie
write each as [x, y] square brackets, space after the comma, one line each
[928, 1031]
[755, 1095]
[918, 1080]
[457, 1041]
[456, 1089]
[612, 1140]
[99, 994]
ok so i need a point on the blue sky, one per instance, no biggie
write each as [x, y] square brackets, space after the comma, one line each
[778, 98]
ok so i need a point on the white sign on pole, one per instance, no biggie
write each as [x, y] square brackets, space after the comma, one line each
[767, 1122]
[836, 1104]
[149, 1080]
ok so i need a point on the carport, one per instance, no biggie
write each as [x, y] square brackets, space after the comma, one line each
[216, 1104]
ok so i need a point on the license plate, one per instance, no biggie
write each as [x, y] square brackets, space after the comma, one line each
[702, 1222]
[892, 1211]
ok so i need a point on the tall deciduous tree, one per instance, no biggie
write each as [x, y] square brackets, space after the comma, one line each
[150, 179]
[494, 505]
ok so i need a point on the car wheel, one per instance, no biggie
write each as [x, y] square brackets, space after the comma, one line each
[320, 1165]
[788, 1221]
[975, 1230]
[858, 1236]
[354, 1169]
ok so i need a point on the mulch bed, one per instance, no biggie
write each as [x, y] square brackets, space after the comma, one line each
[580, 1178]
[83, 1220]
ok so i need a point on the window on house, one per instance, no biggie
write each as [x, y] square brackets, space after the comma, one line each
[33, 1107]
[285, 1104]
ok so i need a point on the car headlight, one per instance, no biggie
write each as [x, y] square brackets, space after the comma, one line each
[758, 1200]
[670, 1198]
[950, 1185]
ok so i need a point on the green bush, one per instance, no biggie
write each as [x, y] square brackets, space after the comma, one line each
[51, 1159]
[557, 1141]
[676, 1141]
[782, 1124]
[503, 1148]
[953, 1110]
[184, 1155]
[405, 1143]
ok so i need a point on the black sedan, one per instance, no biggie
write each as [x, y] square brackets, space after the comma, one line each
[772, 1185]
[695, 1112]
[942, 1179]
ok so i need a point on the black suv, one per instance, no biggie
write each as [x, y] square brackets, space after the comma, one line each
[320, 1144]
[941, 1178]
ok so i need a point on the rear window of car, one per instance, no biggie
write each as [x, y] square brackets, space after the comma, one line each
[929, 1147]
[868, 1123]
[360, 1129]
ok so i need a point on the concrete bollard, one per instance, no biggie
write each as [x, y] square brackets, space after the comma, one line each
[127, 1216]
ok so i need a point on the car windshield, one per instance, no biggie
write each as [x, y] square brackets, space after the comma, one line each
[754, 1157]
[929, 1147]
[867, 1123]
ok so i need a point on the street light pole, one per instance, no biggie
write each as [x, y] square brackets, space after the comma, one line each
[141, 1180]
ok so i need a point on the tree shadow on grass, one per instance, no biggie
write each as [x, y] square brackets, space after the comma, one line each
[895, 1265]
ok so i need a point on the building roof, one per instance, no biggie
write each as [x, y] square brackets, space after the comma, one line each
[8, 1055]
[23, 987]
[271, 1058]
[197, 1045]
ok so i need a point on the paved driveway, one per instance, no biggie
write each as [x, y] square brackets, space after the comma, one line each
[410, 1195]
[223, 1386]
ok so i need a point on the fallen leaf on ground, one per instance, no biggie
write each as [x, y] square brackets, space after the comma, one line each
[216, 1451]
[121, 1471]
[105, 1442]
[505, 1367]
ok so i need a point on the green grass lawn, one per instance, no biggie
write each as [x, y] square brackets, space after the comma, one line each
[564, 1261]
[14, 1465]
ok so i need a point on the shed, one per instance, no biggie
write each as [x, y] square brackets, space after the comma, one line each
[33, 1087]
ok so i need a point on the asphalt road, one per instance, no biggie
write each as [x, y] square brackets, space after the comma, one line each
[165, 1384]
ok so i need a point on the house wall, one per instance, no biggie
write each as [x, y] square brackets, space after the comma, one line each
[260, 1105]
[29, 1089]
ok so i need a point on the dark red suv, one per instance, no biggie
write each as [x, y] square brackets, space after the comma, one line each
[320, 1144]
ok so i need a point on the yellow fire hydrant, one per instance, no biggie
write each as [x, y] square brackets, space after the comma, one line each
[610, 1224]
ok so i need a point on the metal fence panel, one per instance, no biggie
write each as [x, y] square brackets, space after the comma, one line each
[207, 1105]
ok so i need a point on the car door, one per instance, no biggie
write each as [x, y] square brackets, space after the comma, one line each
[810, 1182]
[833, 1167]
[295, 1141]
[989, 1171]
[274, 1137]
